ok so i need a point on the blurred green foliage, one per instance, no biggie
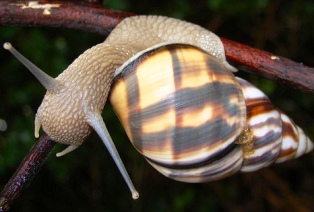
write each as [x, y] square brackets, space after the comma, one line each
[87, 179]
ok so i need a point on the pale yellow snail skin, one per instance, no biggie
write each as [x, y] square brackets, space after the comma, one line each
[75, 99]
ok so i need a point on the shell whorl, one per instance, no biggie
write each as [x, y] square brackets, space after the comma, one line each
[276, 137]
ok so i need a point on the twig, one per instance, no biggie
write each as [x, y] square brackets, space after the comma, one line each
[101, 21]
[26, 171]
[62, 15]
[270, 66]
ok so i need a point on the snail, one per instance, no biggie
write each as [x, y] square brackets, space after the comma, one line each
[177, 98]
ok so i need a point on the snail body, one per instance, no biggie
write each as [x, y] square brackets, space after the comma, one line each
[195, 127]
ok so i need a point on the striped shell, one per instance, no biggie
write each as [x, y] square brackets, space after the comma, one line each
[186, 113]
[276, 138]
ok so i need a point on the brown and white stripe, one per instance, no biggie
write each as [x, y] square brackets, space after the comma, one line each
[275, 136]
[264, 121]
[294, 142]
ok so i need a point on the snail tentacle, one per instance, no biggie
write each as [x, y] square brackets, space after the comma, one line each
[48, 82]
[66, 150]
[37, 127]
[96, 121]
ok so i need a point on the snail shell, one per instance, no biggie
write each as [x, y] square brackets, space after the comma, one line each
[184, 111]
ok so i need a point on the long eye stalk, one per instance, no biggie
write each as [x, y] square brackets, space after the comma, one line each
[48, 82]
[96, 121]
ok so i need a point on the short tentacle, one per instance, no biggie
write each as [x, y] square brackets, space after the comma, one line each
[66, 151]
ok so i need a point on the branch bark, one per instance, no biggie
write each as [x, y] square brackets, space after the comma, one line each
[26, 171]
[96, 19]
[268, 65]
[101, 21]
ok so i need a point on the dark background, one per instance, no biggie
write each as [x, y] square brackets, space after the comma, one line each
[87, 178]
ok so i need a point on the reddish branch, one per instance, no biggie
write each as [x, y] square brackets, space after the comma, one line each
[26, 171]
[85, 17]
[95, 19]
[101, 21]
[270, 66]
